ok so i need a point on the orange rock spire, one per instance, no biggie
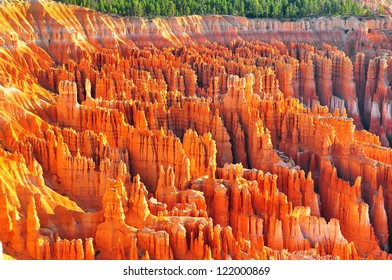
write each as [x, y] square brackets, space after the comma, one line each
[207, 137]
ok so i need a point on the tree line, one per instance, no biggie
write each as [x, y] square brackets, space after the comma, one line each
[290, 9]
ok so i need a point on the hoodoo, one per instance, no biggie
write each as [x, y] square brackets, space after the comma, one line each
[195, 137]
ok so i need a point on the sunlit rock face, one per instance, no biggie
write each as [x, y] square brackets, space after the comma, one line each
[212, 137]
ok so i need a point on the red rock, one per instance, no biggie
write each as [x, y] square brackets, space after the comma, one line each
[343, 83]
[6, 222]
[186, 138]
[360, 78]
[346, 197]
[379, 219]
[307, 84]
[323, 79]
[113, 235]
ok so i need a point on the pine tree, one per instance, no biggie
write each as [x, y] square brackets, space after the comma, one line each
[250, 8]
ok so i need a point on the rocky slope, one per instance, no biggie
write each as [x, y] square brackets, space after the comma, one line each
[193, 138]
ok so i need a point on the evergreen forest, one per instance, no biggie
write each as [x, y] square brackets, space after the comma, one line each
[282, 9]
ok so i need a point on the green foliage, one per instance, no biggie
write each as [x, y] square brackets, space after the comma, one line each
[381, 10]
[291, 9]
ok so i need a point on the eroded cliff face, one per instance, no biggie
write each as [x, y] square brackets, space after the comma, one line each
[193, 138]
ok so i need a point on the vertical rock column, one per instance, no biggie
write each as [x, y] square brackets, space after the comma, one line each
[68, 108]
[360, 79]
[35, 243]
[307, 84]
[323, 76]
[379, 219]
[5, 219]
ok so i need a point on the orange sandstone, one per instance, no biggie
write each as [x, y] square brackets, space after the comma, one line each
[213, 137]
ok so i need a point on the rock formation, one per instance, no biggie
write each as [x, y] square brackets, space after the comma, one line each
[211, 137]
